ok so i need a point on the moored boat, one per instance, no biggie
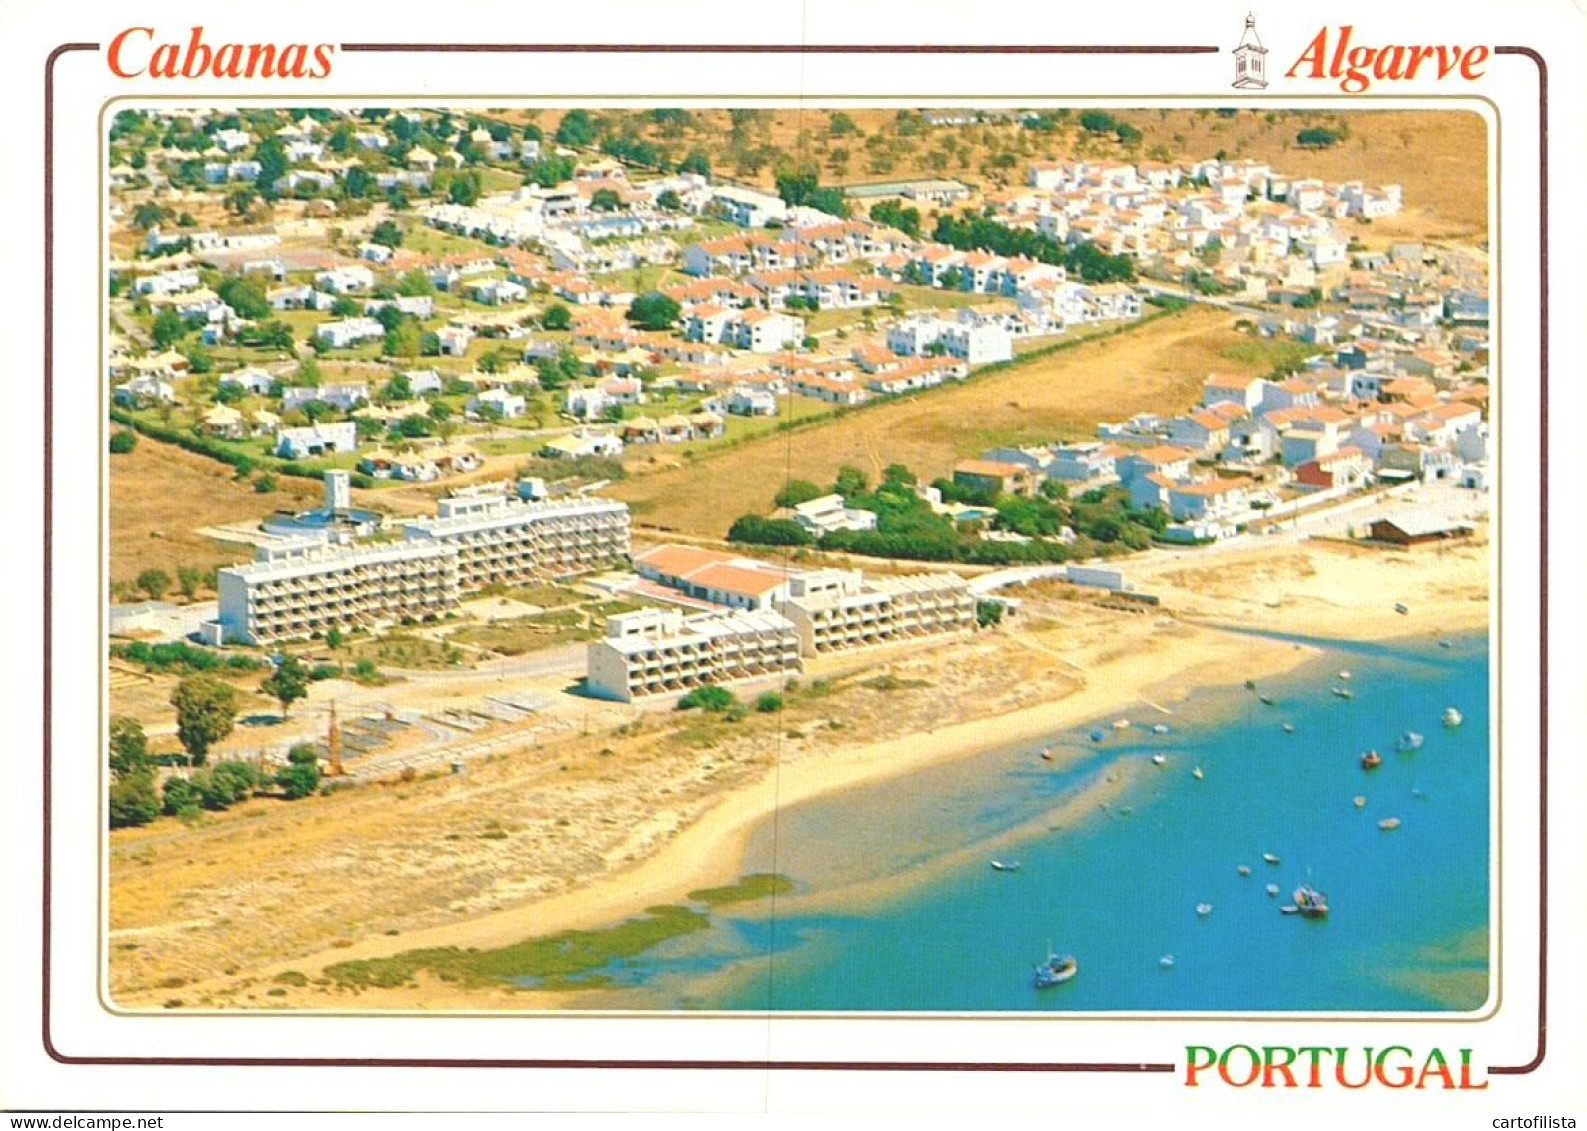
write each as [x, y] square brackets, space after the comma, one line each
[1166, 962]
[1270, 858]
[1452, 717]
[1203, 909]
[1005, 865]
[1371, 760]
[1408, 741]
[1244, 869]
[1097, 736]
[1289, 728]
[1159, 728]
[1272, 890]
[1388, 824]
[1046, 753]
[1343, 692]
[1058, 969]
[1268, 699]
[1360, 802]
[1197, 774]
[1310, 902]
[1159, 760]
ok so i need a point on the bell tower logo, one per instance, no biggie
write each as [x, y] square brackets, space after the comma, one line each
[1250, 59]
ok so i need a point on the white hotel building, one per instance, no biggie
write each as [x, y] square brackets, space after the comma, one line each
[503, 540]
[299, 588]
[835, 609]
[304, 586]
[662, 651]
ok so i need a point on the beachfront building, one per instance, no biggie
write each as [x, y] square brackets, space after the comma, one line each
[834, 609]
[306, 586]
[504, 540]
[663, 651]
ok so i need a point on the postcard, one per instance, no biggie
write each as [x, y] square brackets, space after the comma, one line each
[818, 558]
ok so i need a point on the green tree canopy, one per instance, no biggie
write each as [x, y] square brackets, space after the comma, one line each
[206, 708]
[288, 683]
[654, 311]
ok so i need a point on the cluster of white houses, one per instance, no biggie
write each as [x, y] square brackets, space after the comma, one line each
[766, 620]
[299, 587]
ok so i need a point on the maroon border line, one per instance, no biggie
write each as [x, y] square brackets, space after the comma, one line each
[762, 1065]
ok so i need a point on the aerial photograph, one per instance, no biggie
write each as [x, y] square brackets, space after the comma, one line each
[831, 559]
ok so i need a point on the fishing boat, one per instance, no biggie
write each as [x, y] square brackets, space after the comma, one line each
[1310, 902]
[1166, 962]
[1343, 692]
[1244, 869]
[1159, 760]
[1408, 741]
[1389, 824]
[1005, 865]
[1160, 728]
[1046, 753]
[1360, 802]
[1371, 760]
[1345, 675]
[1270, 858]
[1121, 724]
[1268, 699]
[1289, 728]
[1272, 890]
[1197, 774]
[1452, 717]
[1203, 909]
[1057, 970]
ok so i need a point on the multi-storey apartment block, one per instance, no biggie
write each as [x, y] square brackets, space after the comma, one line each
[835, 609]
[656, 652]
[305, 586]
[502, 540]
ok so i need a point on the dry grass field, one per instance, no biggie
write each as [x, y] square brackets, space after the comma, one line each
[1158, 367]
[1437, 156]
[161, 495]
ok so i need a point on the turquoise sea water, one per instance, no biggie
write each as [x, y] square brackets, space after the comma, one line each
[898, 909]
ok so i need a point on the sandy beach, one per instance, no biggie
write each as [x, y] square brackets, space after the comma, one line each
[1065, 665]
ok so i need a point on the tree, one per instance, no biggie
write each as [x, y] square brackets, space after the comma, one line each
[708, 697]
[406, 339]
[850, 481]
[577, 129]
[188, 579]
[288, 683]
[155, 582]
[697, 163]
[556, 317]
[205, 711]
[168, 329]
[245, 296]
[605, 200]
[756, 530]
[797, 491]
[387, 233]
[768, 702]
[129, 747]
[414, 284]
[1316, 138]
[669, 201]
[123, 442]
[302, 774]
[133, 801]
[654, 311]
[333, 638]
[465, 189]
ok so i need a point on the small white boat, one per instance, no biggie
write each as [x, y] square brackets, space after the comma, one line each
[1289, 728]
[1344, 675]
[1160, 728]
[1046, 753]
[1289, 909]
[1244, 869]
[1005, 865]
[1408, 741]
[1272, 890]
[1270, 858]
[1452, 717]
[1343, 692]
[1159, 760]
[1197, 774]
[1360, 802]
[1121, 724]
[1058, 968]
[1266, 699]
[1389, 824]
[1166, 962]
[1203, 909]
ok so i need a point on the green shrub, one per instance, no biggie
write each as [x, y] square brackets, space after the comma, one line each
[768, 702]
[123, 442]
[708, 697]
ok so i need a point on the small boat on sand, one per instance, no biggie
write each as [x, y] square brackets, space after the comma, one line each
[1160, 728]
[1270, 858]
[1058, 969]
[1097, 736]
[1452, 717]
[1046, 753]
[1203, 909]
[1389, 824]
[1445, 644]
[1401, 608]
[1005, 865]
[1408, 741]
[1343, 692]
[1244, 869]
[1121, 724]
[1371, 760]
[1272, 890]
